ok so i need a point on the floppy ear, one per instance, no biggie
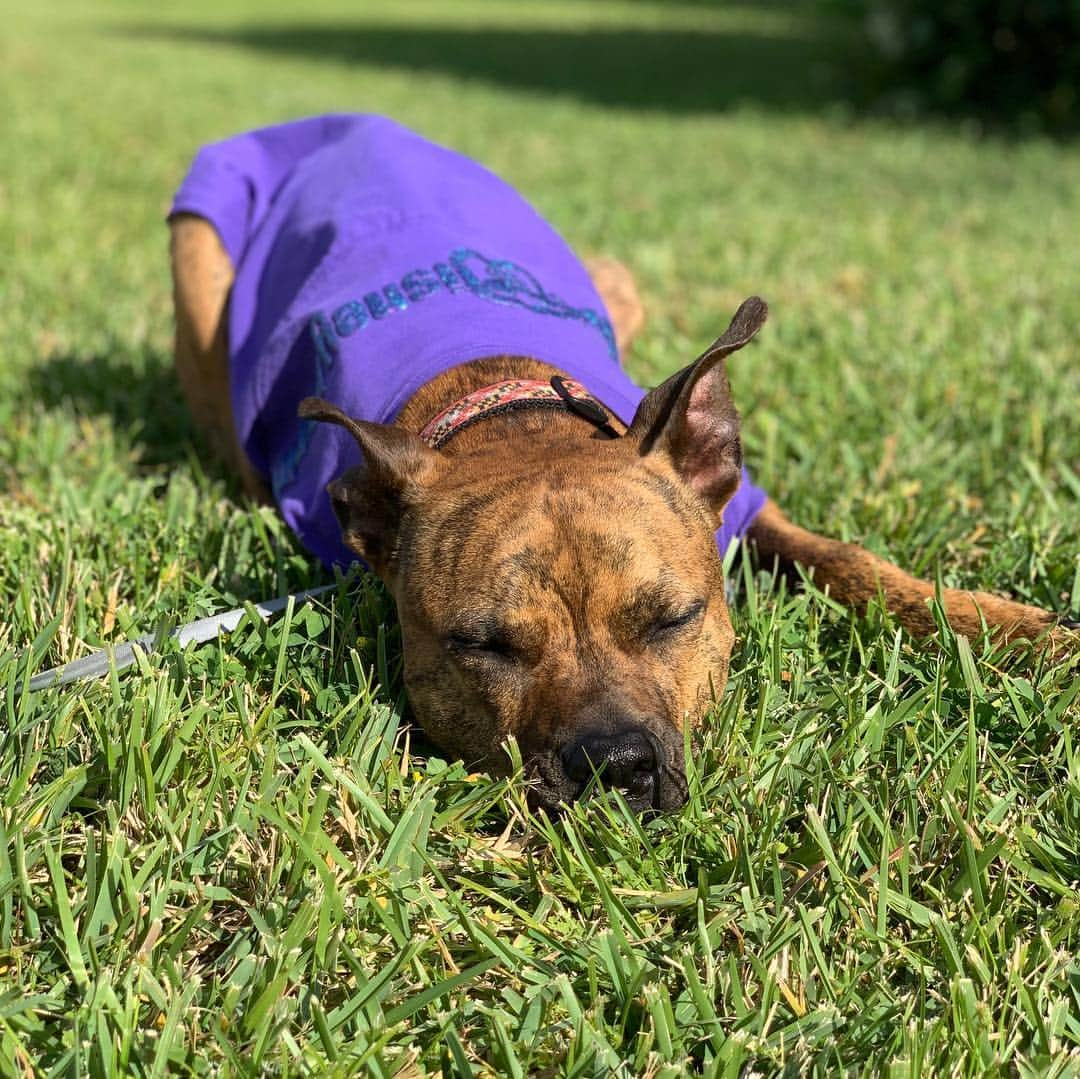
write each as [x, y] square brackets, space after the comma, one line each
[371, 498]
[691, 418]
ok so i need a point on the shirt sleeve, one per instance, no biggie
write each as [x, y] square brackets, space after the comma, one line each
[232, 183]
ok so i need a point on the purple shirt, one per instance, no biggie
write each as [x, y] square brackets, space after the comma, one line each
[369, 260]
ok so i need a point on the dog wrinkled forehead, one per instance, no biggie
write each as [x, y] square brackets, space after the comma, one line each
[574, 530]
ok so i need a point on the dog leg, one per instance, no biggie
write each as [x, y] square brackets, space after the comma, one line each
[202, 277]
[854, 576]
[617, 289]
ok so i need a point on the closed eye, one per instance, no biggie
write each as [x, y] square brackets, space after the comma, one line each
[669, 625]
[480, 647]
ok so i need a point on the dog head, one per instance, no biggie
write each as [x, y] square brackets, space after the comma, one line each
[574, 600]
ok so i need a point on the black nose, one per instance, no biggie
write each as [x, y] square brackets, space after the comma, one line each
[625, 760]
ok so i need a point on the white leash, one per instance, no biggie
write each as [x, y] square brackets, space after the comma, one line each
[98, 664]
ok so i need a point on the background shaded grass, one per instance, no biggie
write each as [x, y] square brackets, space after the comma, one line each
[228, 861]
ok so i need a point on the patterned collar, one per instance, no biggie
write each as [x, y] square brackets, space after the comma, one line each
[510, 395]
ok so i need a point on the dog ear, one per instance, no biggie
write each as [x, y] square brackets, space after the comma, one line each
[691, 417]
[370, 499]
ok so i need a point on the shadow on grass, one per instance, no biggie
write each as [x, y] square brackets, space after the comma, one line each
[139, 392]
[709, 70]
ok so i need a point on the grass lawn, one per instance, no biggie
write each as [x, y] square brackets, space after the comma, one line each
[239, 859]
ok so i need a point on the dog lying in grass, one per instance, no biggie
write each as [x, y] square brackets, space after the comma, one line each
[387, 340]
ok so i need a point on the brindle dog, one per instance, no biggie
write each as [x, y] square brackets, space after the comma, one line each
[554, 584]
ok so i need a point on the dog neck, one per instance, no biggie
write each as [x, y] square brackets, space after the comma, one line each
[460, 381]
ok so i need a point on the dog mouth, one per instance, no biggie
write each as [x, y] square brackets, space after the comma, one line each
[659, 788]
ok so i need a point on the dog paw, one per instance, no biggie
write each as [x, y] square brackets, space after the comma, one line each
[617, 289]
